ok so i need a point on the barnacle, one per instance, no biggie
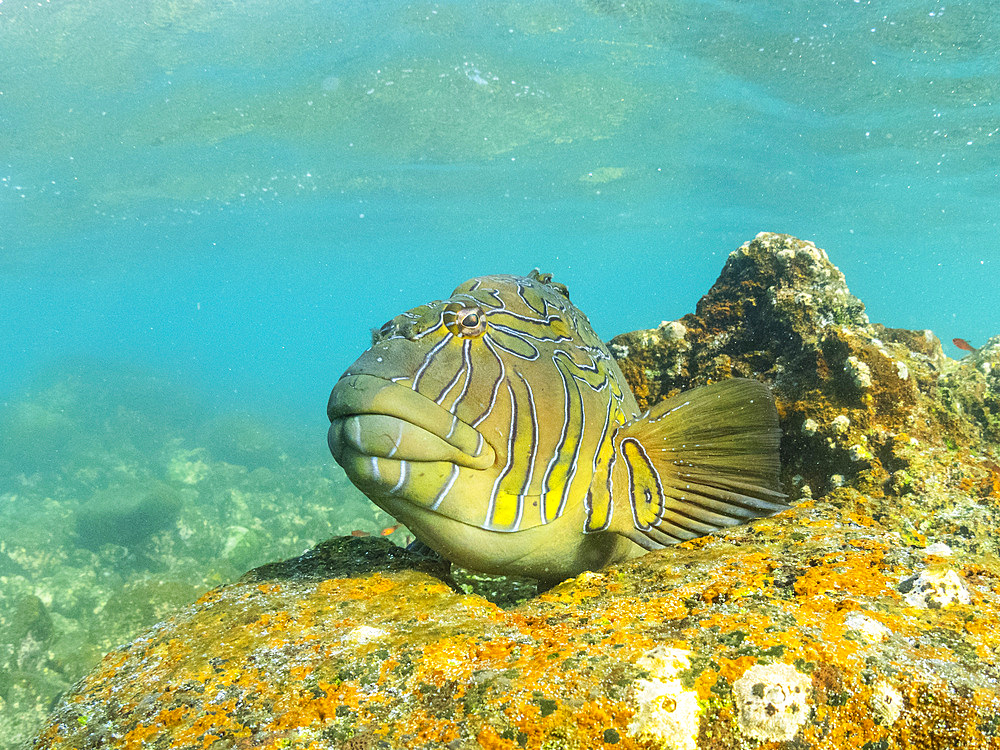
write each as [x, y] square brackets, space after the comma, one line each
[664, 709]
[772, 701]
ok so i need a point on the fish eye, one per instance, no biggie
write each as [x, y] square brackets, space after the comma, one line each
[465, 321]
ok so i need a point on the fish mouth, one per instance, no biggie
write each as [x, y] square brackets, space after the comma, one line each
[375, 417]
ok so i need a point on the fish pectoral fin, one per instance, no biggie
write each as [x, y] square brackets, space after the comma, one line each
[698, 462]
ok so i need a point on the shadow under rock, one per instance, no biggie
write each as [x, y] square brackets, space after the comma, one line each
[347, 557]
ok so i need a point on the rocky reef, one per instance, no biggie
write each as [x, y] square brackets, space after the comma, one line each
[865, 616]
[122, 499]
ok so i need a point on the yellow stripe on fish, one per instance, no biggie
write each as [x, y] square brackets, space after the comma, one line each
[498, 428]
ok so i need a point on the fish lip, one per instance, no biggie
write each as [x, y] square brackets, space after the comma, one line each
[359, 394]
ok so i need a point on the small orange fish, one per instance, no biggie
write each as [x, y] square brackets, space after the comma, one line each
[963, 345]
[389, 529]
[359, 532]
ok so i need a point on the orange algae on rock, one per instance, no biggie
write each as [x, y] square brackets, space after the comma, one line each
[863, 617]
[558, 667]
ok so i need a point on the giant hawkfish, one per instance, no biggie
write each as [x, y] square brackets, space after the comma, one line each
[497, 427]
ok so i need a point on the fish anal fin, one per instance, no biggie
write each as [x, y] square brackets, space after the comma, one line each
[701, 461]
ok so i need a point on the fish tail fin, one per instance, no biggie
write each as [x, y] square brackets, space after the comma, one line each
[700, 461]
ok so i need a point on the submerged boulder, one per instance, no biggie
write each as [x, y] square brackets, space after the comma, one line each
[863, 617]
[127, 514]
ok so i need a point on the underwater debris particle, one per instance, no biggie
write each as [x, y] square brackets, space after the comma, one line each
[771, 700]
[935, 589]
[665, 711]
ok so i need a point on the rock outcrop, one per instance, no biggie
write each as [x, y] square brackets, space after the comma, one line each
[863, 617]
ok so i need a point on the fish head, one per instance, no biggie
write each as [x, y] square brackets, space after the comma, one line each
[480, 415]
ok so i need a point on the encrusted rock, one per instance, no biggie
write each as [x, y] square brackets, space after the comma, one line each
[852, 395]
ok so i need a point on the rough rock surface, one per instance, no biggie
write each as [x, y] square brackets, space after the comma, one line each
[863, 617]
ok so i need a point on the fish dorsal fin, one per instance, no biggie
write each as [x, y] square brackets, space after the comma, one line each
[700, 461]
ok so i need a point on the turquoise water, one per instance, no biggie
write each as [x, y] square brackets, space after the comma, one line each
[206, 206]
[234, 194]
